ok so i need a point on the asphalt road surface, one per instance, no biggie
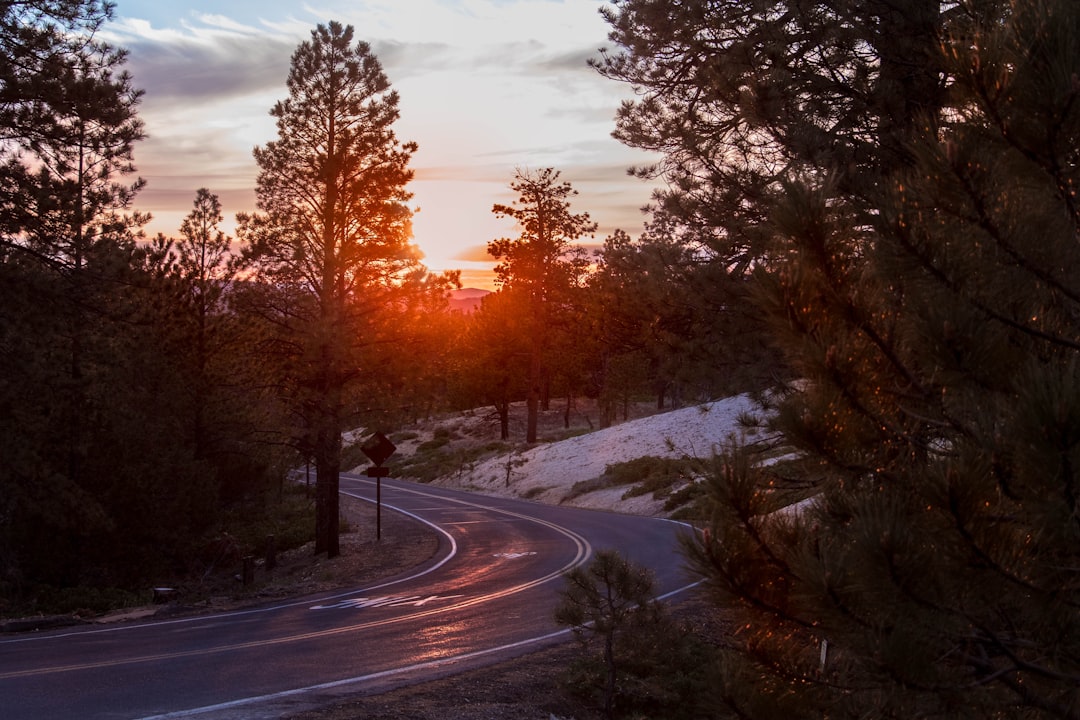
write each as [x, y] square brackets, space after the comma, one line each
[487, 595]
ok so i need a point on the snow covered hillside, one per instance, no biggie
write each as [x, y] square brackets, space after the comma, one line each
[547, 473]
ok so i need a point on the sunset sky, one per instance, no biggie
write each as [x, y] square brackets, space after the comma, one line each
[486, 86]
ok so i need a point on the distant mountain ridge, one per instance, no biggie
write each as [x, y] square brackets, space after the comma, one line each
[467, 300]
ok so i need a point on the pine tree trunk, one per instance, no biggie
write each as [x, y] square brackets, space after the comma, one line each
[503, 408]
[609, 660]
[909, 89]
[327, 482]
[533, 399]
[533, 407]
[331, 308]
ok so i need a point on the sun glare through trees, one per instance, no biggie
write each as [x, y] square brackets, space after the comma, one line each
[867, 220]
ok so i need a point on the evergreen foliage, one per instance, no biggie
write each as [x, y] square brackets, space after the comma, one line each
[116, 432]
[646, 664]
[493, 362]
[669, 326]
[77, 426]
[903, 176]
[330, 246]
[542, 269]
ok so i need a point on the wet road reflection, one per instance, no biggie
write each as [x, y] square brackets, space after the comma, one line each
[490, 590]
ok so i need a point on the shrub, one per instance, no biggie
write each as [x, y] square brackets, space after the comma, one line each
[651, 474]
[288, 519]
[636, 658]
[584, 487]
[688, 501]
[441, 459]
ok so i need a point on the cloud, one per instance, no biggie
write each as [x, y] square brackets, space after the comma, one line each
[182, 194]
[194, 72]
[541, 60]
[474, 253]
[203, 63]
[500, 173]
[402, 60]
[487, 86]
[569, 61]
[226, 23]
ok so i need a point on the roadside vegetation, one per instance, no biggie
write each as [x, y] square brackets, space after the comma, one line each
[635, 659]
[869, 219]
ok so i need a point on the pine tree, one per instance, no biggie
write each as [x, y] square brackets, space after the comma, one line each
[494, 363]
[541, 266]
[206, 268]
[738, 98]
[331, 240]
[932, 570]
[670, 312]
[68, 126]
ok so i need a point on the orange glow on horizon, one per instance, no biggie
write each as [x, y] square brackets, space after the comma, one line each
[452, 226]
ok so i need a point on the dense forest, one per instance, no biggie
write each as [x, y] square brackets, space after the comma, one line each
[870, 219]
[158, 390]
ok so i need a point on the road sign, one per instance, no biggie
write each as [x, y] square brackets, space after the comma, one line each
[378, 448]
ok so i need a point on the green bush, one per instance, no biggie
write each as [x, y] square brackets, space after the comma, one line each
[635, 658]
[651, 474]
[442, 460]
[534, 492]
[564, 435]
[433, 444]
[687, 502]
[353, 456]
[584, 487]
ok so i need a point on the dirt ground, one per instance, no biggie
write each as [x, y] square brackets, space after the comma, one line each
[527, 688]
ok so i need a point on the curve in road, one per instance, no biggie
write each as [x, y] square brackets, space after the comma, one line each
[488, 593]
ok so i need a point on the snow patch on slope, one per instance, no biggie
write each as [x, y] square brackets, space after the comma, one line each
[547, 473]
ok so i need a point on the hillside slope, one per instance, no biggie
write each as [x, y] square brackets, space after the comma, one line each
[549, 472]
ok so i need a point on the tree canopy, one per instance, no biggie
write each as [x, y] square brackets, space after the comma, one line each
[541, 267]
[332, 239]
[901, 179]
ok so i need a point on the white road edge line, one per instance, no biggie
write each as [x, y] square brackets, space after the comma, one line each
[254, 611]
[378, 675]
[350, 681]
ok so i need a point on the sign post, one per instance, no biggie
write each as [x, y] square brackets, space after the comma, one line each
[378, 448]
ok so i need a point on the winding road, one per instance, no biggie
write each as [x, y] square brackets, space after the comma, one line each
[488, 594]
